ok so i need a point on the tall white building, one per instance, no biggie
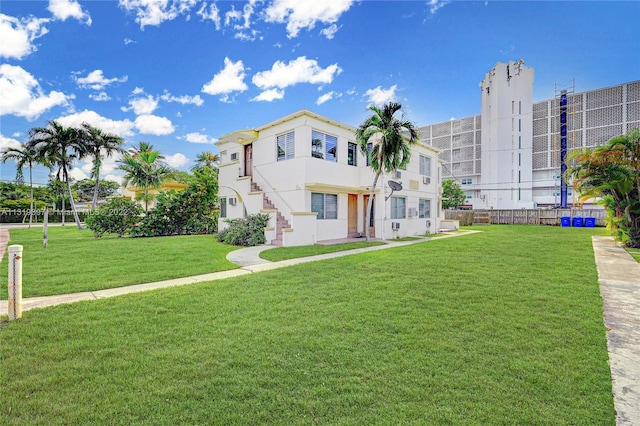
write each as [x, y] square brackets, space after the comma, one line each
[508, 157]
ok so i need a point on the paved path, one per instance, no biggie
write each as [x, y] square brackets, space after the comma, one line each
[618, 275]
[4, 241]
[619, 278]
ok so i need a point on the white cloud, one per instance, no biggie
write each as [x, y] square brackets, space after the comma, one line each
[129, 41]
[196, 137]
[113, 178]
[269, 95]
[22, 95]
[77, 174]
[300, 70]
[184, 100]
[17, 35]
[142, 106]
[232, 15]
[6, 143]
[248, 36]
[63, 9]
[330, 31]
[122, 128]
[229, 80]
[100, 97]
[434, 5]
[213, 14]
[154, 125]
[155, 12]
[97, 81]
[304, 14]
[379, 96]
[137, 91]
[176, 160]
[327, 97]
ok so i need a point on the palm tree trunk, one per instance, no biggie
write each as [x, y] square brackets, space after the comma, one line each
[73, 205]
[367, 220]
[94, 204]
[63, 208]
[146, 200]
[31, 204]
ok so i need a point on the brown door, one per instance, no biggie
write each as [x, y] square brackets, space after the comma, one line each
[372, 221]
[248, 159]
[352, 214]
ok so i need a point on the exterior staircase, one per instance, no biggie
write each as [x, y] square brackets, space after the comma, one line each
[281, 221]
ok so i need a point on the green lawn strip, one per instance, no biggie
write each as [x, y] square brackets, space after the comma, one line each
[499, 327]
[74, 261]
[277, 254]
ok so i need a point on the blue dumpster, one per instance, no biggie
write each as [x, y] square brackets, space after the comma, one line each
[565, 221]
[577, 222]
[590, 222]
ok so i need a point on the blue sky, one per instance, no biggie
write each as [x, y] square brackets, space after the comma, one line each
[181, 73]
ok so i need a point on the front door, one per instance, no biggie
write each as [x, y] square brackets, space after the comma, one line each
[248, 159]
[352, 214]
[372, 220]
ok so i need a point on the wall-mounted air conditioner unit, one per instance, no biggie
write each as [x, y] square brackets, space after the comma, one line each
[395, 226]
[398, 175]
[413, 212]
[233, 201]
[234, 156]
[426, 180]
[428, 223]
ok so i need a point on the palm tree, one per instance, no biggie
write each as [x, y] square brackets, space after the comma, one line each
[144, 168]
[96, 144]
[382, 138]
[58, 146]
[611, 173]
[206, 159]
[23, 156]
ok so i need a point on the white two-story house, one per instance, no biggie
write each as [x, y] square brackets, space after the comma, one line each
[307, 173]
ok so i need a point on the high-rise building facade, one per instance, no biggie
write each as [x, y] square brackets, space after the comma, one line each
[508, 156]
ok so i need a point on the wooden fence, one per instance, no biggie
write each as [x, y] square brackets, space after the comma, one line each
[525, 217]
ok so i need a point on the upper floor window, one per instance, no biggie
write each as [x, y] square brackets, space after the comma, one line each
[352, 154]
[286, 148]
[398, 208]
[369, 149]
[424, 208]
[425, 166]
[324, 146]
[466, 181]
[326, 205]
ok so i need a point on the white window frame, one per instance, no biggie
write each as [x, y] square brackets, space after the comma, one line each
[355, 153]
[289, 142]
[329, 210]
[327, 143]
[398, 208]
[223, 207]
[424, 208]
[425, 165]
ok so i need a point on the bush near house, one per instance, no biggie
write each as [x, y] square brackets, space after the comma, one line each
[247, 231]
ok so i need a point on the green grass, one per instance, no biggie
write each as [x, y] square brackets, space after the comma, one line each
[75, 261]
[283, 253]
[499, 327]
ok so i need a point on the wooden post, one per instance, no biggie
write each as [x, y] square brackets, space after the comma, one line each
[45, 225]
[14, 301]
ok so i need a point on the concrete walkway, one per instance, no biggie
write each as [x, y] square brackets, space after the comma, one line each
[618, 275]
[619, 278]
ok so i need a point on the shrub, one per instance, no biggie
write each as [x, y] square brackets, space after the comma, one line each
[117, 216]
[247, 231]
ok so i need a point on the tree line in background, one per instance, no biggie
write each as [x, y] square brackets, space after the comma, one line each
[58, 148]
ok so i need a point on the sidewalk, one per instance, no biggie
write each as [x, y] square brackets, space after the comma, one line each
[619, 278]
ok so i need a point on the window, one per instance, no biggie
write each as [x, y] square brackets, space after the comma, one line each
[352, 154]
[369, 149]
[424, 208]
[223, 207]
[286, 146]
[326, 205]
[425, 165]
[398, 207]
[324, 146]
[466, 181]
[468, 195]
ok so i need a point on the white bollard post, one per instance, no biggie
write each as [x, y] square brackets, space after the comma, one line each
[15, 282]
